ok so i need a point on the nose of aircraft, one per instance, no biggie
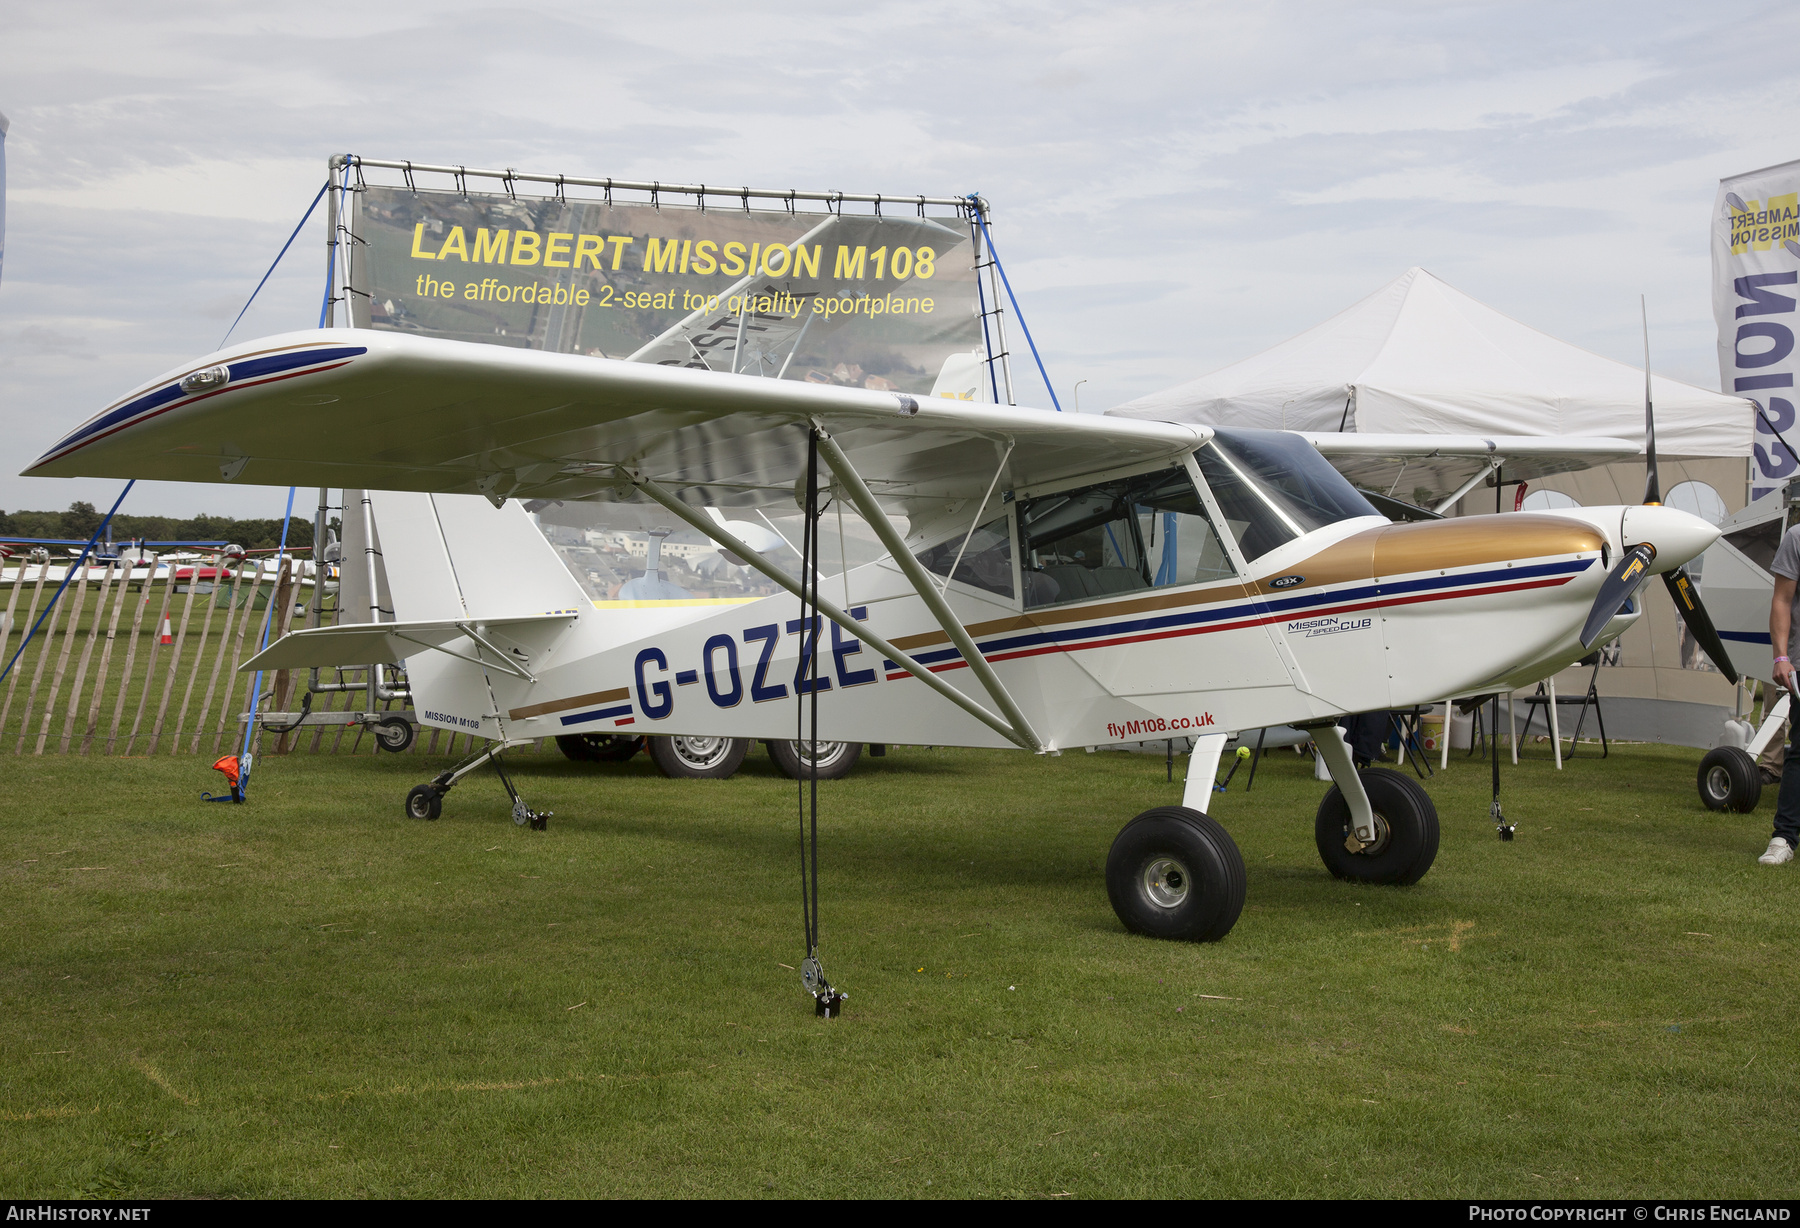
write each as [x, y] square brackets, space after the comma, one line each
[1677, 535]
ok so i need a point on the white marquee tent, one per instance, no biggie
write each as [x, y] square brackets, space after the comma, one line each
[1418, 357]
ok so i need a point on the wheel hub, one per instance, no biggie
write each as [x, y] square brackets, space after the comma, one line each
[701, 752]
[1718, 782]
[1380, 842]
[1166, 882]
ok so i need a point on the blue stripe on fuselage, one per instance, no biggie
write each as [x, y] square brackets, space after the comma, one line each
[599, 714]
[1264, 606]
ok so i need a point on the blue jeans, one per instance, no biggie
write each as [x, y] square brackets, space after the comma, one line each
[1787, 804]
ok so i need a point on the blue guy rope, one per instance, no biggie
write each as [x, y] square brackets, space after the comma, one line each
[278, 256]
[68, 575]
[1019, 315]
[331, 251]
[268, 621]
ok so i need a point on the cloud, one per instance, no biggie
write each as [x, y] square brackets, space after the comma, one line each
[1175, 185]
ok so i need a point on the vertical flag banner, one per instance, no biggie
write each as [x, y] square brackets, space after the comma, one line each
[1756, 284]
[865, 301]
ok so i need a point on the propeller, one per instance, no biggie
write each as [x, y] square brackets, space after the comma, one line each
[1624, 580]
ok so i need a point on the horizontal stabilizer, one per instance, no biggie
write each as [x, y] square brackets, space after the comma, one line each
[358, 644]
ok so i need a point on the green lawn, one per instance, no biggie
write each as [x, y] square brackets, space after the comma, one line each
[311, 995]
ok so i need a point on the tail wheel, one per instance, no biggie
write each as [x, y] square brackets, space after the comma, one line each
[394, 734]
[1175, 873]
[1406, 831]
[424, 802]
[834, 759]
[1729, 780]
[599, 747]
[686, 757]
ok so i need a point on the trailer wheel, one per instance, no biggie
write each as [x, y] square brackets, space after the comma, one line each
[393, 734]
[685, 757]
[835, 759]
[1175, 873]
[1406, 831]
[598, 747]
[424, 802]
[1728, 780]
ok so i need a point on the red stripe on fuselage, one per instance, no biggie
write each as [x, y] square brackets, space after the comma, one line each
[1237, 624]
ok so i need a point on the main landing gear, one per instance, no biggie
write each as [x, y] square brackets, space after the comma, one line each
[426, 801]
[1173, 872]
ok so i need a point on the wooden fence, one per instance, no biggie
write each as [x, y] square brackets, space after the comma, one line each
[97, 677]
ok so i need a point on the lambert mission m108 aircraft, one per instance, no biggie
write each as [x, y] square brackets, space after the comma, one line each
[1064, 580]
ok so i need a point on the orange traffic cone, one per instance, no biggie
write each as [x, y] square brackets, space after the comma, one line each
[168, 636]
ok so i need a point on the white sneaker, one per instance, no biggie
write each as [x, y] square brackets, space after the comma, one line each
[1780, 853]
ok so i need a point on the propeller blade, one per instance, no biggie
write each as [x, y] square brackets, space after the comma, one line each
[1652, 480]
[1617, 589]
[1693, 613]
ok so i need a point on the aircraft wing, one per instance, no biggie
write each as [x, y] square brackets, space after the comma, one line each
[361, 644]
[1425, 468]
[392, 411]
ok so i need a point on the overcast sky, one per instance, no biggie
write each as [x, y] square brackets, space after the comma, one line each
[1174, 186]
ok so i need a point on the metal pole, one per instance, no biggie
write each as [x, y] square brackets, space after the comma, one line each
[328, 315]
[921, 582]
[718, 534]
[368, 515]
[633, 185]
[999, 312]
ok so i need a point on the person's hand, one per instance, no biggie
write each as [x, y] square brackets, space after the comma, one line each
[1784, 675]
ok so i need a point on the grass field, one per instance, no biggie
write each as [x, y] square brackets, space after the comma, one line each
[310, 995]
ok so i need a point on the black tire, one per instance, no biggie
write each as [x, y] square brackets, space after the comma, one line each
[1728, 780]
[835, 758]
[393, 734]
[599, 747]
[1175, 873]
[424, 802]
[1406, 831]
[685, 757]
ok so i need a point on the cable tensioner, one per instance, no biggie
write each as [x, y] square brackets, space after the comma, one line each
[828, 1003]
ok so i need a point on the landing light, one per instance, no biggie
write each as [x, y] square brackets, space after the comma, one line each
[204, 381]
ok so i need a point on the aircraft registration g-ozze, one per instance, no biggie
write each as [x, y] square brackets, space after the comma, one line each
[1064, 580]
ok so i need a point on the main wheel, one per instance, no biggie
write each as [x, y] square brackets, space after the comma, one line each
[393, 733]
[834, 759]
[599, 747]
[424, 802]
[686, 757]
[1729, 780]
[1406, 831]
[1175, 873]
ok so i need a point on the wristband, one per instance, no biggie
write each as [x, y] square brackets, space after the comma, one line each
[1779, 660]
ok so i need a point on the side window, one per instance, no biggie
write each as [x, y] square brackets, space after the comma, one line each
[1118, 537]
[986, 560]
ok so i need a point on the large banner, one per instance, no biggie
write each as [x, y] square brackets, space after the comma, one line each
[872, 302]
[1756, 282]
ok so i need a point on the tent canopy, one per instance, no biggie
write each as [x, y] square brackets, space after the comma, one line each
[1420, 358]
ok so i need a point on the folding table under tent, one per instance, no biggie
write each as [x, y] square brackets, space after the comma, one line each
[1418, 357]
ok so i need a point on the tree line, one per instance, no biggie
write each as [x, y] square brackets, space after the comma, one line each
[80, 520]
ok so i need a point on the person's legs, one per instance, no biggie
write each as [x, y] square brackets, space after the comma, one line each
[1787, 805]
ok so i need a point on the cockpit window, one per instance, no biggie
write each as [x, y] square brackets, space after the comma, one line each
[1144, 532]
[1274, 486]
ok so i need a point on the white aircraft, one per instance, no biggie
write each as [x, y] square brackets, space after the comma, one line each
[1065, 580]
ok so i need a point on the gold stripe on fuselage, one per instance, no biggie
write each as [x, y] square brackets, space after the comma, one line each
[1388, 550]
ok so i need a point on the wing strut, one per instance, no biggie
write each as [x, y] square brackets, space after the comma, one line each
[928, 593]
[1022, 735]
[1481, 475]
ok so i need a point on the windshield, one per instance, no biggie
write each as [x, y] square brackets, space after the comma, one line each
[1273, 486]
